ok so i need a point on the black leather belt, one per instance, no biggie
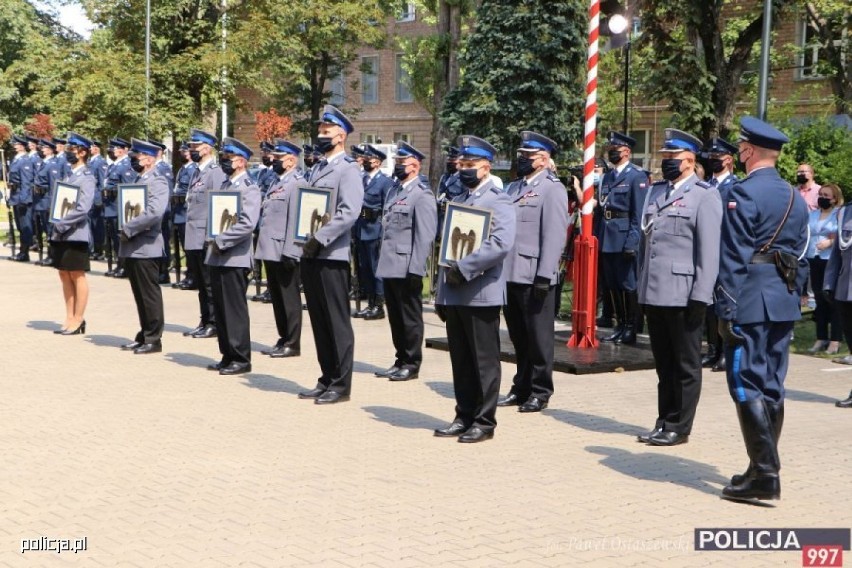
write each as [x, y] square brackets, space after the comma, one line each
[38, 190]
[370, 214]
[610, 214]
[178, 199]
[767, 258]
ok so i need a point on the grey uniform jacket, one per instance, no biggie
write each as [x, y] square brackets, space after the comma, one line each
[210, 177]
[483, 269]
[342, 177]
[838, 271]
[409, 223]
[145, 231]
[233, 246]
[74, 227]
[278, 219]
[541, 209]
[679, 250]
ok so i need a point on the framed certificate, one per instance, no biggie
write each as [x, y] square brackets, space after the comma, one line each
[312, 211]
[465, 228]
[223, 210]
[64, 200]
[132, 200]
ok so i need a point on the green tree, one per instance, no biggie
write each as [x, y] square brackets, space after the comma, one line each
[831, 24]
[824, 145]
[522, 68]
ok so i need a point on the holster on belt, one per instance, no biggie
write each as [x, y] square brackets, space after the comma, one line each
[370, 214]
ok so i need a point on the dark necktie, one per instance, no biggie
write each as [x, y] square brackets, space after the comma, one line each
[714, 181]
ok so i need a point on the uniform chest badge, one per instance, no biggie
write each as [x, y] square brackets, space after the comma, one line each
[732, 205]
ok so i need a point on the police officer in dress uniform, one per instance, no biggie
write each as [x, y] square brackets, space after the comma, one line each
[208, 177]
[720, 166]
[229, 256]
[99, 167]
[470, 295]
[449, 187]
[679, 262]
[622, 193]
[265, 178]
[21, 177]
[119, 172]
[368, 232]
[310, 156]
[142, 246]
[37, 163]
[184, 177]
[277, 247]
[409, 222]
[325, 261]
[764, 236]
[165, 170]
[541, 209]
[51, 171]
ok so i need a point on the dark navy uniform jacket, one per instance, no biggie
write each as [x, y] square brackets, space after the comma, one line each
[182, 182]
[375, 194]
[753, 209]
[52, 170]
[21, 175]
[622, 194]
[98, 166]
[119, 172]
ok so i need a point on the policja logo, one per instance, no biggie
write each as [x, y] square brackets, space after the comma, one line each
[768, 539]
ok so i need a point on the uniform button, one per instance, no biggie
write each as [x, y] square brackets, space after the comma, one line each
[654, 255]
[654, 242]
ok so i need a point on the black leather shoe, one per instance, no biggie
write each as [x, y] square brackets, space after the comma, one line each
[193, 331]
[81, 330]
[331, 397]
[131, 346]
[235, 369]
[377, 313]
[614, 336]
[285, 351]
[146, 348]
[847, 403]
[510, 399]
[404, 374]
[264, 297]
[758, 488]
[476, 434]
[278, 345]
[188, 285]
[313, 393]
[451, 431]
[533, 405]
[21, 257]
[387, 372]
[206, 332]
[666, 438]
[120, 273]
[628, 337]
[217, 366]
[165, 278]
[363, 312]
[646, 438]
[710, 359]
[720, 366]
[109, 273]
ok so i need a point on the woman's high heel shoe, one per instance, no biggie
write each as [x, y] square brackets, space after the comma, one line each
[59, 331]
[833, 348]
[79, 331]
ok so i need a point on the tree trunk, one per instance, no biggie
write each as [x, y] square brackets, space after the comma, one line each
[449, 29]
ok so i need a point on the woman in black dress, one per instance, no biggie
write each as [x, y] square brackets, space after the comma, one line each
[70, 237]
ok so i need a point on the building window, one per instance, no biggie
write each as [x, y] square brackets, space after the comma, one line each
[401, 136]
[641, 155]
[369, 138]
[407, 12]
[813, 50]
[336, 85]
[370, 80]
[403, 82]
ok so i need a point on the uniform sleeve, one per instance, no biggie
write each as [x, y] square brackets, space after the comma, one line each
[425, 225]
[27, 178]
[350, 197]
[832, 268]
[638, 187]
[155, 208]
[494, 249]
[554, 231]
[243, 229]
[80, 213]
[737, 246]
[708, 221]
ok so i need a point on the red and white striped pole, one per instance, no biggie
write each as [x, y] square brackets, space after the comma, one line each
[586, 246]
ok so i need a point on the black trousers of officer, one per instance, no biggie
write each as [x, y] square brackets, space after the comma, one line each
[229, 286]
[405, 315]
[530, 323]
[180, 228]
[111, 224]
[368, 263]
[473, 334]
[326, 284]
[166, 229]
[144, 274]
[24, 222]
[283, 284]
[676, 345]
[96, 219]
[201, 273]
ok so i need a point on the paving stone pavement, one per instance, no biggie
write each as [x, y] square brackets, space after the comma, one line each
[158, 462]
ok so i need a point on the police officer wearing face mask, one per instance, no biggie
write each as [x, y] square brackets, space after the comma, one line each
[277, 248]
[679, 264]
[119, 172]
[183, 179]
[762, 273]
[410, 218]
[99, 167]
[541, 210]
[21, 177]
[51, 171]
[325, 261]
[470, 295]
[310, 156]
[622, 192]
[266, 177]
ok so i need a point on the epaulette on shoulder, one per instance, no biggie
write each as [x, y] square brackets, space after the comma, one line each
[349, 159]
[496, 189]
[661, 182]
[552, 176]
[87, 172]
[704, 184]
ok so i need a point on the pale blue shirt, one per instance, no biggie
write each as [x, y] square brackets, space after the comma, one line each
[820, 231]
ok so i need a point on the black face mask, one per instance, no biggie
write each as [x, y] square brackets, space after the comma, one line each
[468, 177]
[525, 166]
[824, 202]
[368, 167]
[195, 156]
[671, 168]
[741, 164]
[137, 167]
[227, 166]
[309, 161]
[111, 155]
[325, 144]
[266, 161]
[399, 172]
[71, 157]
[40, 153]
[614, 155]
[278, 167]
[715, 165]
[801, 179]
[452, 168]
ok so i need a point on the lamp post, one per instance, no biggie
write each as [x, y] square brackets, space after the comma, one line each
[147, 63]
[763, 85]
[618, 25]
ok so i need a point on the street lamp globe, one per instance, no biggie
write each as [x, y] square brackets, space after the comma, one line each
[617, 24]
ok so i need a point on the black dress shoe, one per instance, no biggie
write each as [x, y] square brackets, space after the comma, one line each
[387, 372]
[165, 278]
[377, 313]
[646, 438]
[510, 399]
[720, 365]
[278, 345]
[146, 348]
[109, 273]
[455, 429]
[313, 393]
[235, 369]
[131, 346]
[628, 337]
[476, 434]
[666, 438]
[710, 359]
[614, 336]
[21, 257]
[404, 374]
[188, 285]
[206, 332]
[120, 273]
[847, 403]
[533, 405]
[362, 313]
[331, 397]
[218, 366]
[754, 489]
[285, 351]
[193, 331]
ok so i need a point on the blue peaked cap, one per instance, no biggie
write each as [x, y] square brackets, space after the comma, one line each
[333, 115]
[678, 141]
[534, 142]
[286, 147]
[234, 146]
[759, 133]
[472, 147]
[197, 136]
[406, 150]
[75, 139]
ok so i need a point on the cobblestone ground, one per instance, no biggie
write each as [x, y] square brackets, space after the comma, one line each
[158, 462]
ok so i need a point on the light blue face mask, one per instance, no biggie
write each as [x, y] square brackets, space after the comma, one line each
[596, 179]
